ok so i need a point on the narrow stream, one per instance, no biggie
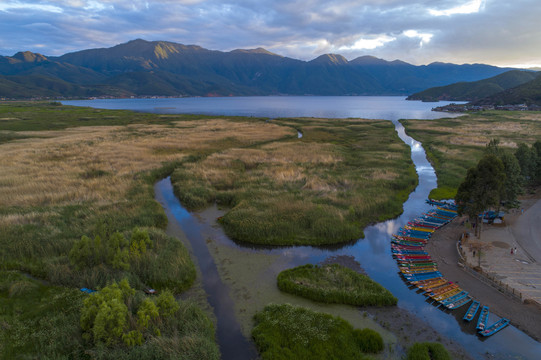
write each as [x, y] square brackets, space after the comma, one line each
[372, 252]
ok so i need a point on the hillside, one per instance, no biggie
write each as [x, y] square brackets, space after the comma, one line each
[528, 93]
[476, 90]
[144, 68]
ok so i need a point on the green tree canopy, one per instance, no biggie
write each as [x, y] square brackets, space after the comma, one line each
[482, 188]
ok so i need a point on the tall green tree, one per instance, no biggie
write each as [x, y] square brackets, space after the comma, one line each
[482, 188]
[527, 159]
[537, 173]
[513, 184]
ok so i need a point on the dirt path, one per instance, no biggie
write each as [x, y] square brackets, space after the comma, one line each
[443, 248]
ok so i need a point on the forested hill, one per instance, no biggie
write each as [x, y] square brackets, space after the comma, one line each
[145, 68]
[528, 93]
[476, 90]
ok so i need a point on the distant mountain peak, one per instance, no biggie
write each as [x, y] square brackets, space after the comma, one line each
[258, 50]
[331, 59]
[30, 57]
[369, 60]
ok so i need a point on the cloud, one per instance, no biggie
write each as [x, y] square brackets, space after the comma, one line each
[418, 31]
[467, 8]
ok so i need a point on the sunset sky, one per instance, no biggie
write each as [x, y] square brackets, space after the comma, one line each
[497, 32]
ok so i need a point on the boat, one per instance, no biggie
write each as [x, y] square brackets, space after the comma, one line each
[483, 318]
[458, 303]
[494, 328]
[472, 311]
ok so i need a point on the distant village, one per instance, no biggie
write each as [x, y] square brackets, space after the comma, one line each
[469, 107]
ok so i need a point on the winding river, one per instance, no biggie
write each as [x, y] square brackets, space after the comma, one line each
[372, 252]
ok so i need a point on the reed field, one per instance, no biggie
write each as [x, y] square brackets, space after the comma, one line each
[74, 172]
[321, 189]
[455, 145]
[334, 284]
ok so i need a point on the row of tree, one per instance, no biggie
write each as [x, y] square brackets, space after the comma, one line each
[498, 179]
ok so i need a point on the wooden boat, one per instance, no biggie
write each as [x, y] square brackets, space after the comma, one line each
[472, 311]
[426, 284]
[446, 295]
[419, 228]
[494, 328]
[441, 289]
[454, 298]
[483, 318]
[458, 303]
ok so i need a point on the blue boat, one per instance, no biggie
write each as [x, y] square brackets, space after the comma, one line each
[472, 311]
[483, 319]
[494, 328]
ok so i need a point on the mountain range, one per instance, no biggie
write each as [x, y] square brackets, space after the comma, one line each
[159, 68]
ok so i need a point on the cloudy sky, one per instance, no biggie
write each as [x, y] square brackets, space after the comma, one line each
[498, 32]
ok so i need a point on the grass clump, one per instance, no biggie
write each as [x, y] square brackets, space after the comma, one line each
[292, 332]
[334, 284]
[455, 145]
[428, 351]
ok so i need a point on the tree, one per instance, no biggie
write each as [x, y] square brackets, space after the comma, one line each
[482, 188]
[513, 183]
[527, 160]
[167, 304]
[104, 315]
[537, 173]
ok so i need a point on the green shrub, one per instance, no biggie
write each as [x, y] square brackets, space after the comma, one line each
[428, 351]
[369, 341]
[334, 284]
[292, 332]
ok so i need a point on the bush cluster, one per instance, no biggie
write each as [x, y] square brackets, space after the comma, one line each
[334, 284]
[428, 351]
[292, 332]
[115, 314]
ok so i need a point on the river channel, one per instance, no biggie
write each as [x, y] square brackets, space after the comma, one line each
[218, 255]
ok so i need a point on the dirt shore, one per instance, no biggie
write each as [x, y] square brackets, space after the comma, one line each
[443, 249]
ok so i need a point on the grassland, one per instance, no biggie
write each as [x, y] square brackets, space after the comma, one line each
[455, 145]
[291, 332]
[72, 172]
[320, 189]
[334, 284]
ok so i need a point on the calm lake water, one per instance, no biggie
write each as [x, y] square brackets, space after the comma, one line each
[372, 252]
[370, 107]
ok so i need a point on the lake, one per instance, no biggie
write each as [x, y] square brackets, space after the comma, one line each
[370, 107]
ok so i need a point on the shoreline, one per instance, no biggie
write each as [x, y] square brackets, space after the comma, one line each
[443, 249]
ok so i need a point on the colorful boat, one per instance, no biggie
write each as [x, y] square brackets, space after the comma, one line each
[494, 328]
[458, 303]
[472, 311]
[483, 318]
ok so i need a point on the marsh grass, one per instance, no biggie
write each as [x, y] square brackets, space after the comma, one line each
[455, 145]
[40, 321]
[292, 332]
[334, 284]
[68, 171]
[428, 351]
[321, 189]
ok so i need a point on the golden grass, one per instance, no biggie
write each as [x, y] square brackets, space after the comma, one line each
[282, 162]
[52, 169]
